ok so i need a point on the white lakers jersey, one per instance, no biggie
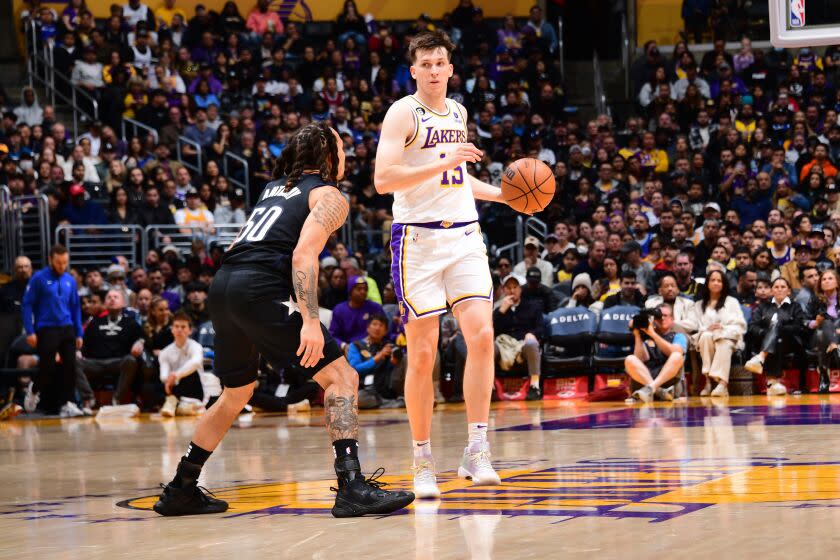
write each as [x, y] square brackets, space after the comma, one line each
[447, 197]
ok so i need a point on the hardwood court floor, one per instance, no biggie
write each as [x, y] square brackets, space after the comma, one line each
[744, 478]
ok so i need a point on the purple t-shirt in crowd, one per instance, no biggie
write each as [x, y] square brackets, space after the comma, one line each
[350, 324]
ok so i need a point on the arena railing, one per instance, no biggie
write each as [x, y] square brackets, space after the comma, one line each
[8, 245]
[514, 251]
[96, 245]
[159, 235]
[30, 220]
[231, 171]
[137, 126]
[600, 95]
[561, 48]
[625, 55]
[224, 234]
[198, 166]
[537, 228]
[42, 71]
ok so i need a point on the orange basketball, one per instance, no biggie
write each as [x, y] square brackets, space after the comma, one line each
[528, 185]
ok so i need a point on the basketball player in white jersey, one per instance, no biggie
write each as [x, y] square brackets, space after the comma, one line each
[439, 257]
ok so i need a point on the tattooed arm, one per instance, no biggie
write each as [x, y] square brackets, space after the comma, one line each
[329, 209]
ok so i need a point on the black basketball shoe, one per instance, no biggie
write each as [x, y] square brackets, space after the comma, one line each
[188, 498]
[357, 496]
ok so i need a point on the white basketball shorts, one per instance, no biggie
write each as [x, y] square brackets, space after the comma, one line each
[438, 264]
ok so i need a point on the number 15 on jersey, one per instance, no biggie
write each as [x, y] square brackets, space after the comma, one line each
[457, 177]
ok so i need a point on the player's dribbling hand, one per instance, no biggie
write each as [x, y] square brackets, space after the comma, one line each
[465, 152]
[311, 347]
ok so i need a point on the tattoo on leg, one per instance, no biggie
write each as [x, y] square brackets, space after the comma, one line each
[342, 417]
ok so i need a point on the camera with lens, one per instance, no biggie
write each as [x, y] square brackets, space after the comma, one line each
[642, 319]
[397, 353]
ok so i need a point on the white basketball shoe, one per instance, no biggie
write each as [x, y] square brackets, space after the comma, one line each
[425, 481]
[477, 467]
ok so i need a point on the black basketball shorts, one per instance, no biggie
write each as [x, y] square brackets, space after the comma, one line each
[253, 313]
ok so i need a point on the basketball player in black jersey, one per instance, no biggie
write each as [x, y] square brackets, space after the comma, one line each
[263, 300]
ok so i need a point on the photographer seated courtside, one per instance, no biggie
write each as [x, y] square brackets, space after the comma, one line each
[658, 353]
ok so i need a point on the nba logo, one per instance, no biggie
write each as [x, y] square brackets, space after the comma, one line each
[797, 13]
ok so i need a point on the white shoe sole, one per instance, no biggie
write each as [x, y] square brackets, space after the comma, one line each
[167, 413]
[302, 406]
[190, 411]
[754, 367]
[490, 481]
[427, 493]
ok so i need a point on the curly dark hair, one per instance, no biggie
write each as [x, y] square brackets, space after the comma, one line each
[312, 147]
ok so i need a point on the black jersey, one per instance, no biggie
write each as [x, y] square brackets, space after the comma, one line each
[270, 235]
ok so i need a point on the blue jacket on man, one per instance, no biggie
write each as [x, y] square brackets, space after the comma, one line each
[52, 301]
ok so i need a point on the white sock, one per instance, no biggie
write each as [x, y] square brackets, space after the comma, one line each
[535, 382]
[477, 435]
[422, 449]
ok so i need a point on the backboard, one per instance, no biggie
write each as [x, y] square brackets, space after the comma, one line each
[800, 23]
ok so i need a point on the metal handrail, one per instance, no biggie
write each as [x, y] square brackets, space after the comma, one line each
[96, 244]
[515, 249]
[137, 125]
[537, 228]
[172, 234]
[246, 181]
[199, 166]
[47, 81]
[509, 251]
[35, 246]
[600, 96]
[560, 48]
[76, 109]
[8, 243]
[32, 47]
[625, 55]
[225, 233]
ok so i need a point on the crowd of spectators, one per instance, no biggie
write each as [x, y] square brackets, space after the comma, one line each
[727, 162]
[242, 83]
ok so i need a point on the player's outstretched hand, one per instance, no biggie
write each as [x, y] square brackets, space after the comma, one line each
[465, 152]
[311, 347]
